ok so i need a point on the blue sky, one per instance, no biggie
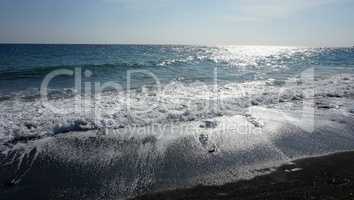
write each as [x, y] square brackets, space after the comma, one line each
[209, 22]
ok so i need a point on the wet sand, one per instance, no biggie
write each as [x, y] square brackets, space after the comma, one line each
[325, 177]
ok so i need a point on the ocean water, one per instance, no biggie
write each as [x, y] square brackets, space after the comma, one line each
[23, 67]
[170, 116]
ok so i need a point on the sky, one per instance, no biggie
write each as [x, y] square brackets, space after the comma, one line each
[204, 22]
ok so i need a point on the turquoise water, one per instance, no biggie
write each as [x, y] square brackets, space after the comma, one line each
[23, 67]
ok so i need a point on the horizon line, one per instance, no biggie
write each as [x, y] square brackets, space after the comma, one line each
[173, 44]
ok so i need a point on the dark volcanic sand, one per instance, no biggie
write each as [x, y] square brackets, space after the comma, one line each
[326, 177]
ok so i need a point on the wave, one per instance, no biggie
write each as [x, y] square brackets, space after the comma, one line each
[192, 146]
[177, 103]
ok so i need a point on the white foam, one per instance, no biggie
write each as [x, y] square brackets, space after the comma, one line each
[246, 136]
[177, 103]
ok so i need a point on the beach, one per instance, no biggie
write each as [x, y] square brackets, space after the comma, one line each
[176, 99]
[324, 177]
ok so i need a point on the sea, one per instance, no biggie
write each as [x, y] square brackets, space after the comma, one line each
[87, 121]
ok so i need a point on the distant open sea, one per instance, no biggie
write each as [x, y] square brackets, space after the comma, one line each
[165, 116]
[23, 66]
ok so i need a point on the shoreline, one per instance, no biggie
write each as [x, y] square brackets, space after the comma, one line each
[322, 177]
